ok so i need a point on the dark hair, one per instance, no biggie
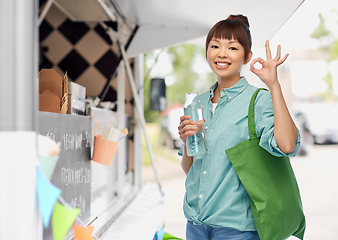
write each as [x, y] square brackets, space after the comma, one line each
[236, 27]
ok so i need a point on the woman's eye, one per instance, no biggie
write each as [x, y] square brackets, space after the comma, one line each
[214, 46]
[233, 48]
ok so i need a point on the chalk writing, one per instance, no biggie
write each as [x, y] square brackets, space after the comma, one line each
[78, 141]
[74, 141]
[79, 202]
[72, 172]
[87, 139]
[71, 176]
[51, 135]
[68, 141]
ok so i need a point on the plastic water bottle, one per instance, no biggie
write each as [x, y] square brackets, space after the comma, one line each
[193, 108]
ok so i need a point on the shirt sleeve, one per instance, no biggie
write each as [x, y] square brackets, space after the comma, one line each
[264, 119]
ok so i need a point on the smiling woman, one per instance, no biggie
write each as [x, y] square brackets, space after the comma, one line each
[238, 29]
[228, 50]
[226, 58]
[211, 178]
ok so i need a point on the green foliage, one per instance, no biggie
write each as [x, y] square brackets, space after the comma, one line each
[329, 43]
[329, 94]
[182, 58]
[328, 80]
[333, 50]
[320, 31]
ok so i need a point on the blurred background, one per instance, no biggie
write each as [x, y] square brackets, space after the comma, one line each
[309, 80]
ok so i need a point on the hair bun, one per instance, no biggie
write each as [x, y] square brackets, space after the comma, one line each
[240, 18]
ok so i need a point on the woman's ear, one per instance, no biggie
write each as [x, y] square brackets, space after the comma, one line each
[248, 58]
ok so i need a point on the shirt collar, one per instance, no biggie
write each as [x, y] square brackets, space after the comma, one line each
[231, 92]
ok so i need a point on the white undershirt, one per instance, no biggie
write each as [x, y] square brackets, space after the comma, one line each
[213, 107]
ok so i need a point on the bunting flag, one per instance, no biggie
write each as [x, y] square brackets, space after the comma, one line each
[82, 232]
[168, 236]
[62, 220]
[162, 235]
[159, 234]
[48, 165]
[47, 195]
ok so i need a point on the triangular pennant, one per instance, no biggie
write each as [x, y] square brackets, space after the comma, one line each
[47, 195]
[159, 234]
[168, 236]
[62, 220]
[48, 165]
[82, 232]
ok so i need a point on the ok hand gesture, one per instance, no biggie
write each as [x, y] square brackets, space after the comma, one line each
[268, 72]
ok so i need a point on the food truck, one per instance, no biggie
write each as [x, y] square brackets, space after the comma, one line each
[69, 69]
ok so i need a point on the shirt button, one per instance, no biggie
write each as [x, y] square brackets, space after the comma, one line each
[200, 196]
[204, 172]
[229, 97]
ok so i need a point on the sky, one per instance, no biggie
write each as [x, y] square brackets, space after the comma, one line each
[294, 34]
[306, 76]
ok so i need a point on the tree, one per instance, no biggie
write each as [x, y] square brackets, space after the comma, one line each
[328, 43]
[185, 77]
[182, 57]
[321, 30]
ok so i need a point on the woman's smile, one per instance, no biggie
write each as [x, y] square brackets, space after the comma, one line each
[222, 65]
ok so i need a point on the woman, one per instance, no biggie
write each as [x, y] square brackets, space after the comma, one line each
[216, 204]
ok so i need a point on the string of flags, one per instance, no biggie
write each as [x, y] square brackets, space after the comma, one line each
[48, 196]
[53, 208]
[160, 234]
[63, 216]
[51, 204]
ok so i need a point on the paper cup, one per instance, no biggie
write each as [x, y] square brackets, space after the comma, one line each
[48, 164]
[104, 150]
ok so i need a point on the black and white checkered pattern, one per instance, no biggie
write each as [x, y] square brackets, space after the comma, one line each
[83, 49]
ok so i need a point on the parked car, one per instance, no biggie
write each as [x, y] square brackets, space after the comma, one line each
[320, 120]
[169, 127]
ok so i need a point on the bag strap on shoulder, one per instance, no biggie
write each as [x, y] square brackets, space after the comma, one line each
[251, 115]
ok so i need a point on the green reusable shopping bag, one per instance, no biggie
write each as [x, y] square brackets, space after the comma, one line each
[271, 184]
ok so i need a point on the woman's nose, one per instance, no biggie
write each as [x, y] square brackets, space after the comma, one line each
[223, 53]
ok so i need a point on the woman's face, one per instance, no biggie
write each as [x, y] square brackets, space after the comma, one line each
[226, 58]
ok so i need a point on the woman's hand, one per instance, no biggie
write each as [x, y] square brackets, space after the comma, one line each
[186, 128]
[285, 131]
[268, 72]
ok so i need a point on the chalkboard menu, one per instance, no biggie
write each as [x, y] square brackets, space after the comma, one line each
[72, 173]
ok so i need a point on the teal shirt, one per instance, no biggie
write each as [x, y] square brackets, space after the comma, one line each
[214, 194]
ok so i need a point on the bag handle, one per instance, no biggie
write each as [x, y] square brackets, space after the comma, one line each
[251, 115]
